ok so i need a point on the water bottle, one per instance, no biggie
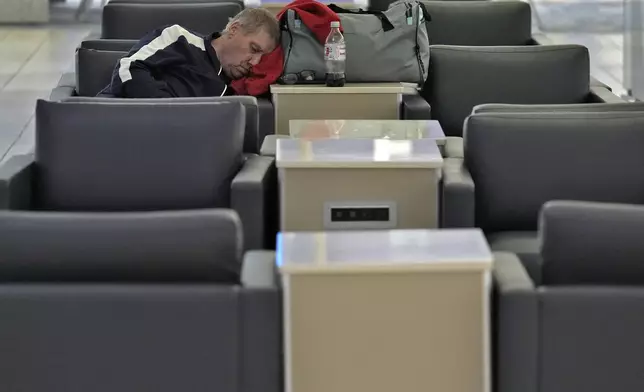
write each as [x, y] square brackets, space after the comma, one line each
[335, 55]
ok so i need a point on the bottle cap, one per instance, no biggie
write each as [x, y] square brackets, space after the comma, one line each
[335, 24]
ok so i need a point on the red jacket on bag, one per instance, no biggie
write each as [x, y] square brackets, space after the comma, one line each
[316, 16]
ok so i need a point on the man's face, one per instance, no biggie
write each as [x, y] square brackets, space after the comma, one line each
[241, 51]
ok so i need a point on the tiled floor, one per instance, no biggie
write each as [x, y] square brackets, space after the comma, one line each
[33, 58]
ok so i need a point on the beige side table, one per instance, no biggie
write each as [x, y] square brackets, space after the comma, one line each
[336, 184]
[353, 101]
[382, 311]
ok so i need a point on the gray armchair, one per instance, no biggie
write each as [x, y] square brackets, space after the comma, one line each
[110, 155]
[94, 71]
[128, 20]
[479, 23]
[579, 327]
[462, 77]
[132, 302]
[516, 162]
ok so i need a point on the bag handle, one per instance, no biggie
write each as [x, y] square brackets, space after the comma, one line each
[386, 24]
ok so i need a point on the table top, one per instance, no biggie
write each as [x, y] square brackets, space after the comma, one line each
[383, 251]
[358, 153]
[349, 88]
[367, 129]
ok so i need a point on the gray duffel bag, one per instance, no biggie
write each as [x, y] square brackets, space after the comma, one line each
[389, 46]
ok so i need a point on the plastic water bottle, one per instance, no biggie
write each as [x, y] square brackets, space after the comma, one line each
[335, 56]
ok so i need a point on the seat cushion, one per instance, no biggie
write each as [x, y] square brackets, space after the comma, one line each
[462, 77]
[468, 22]
[525, 244]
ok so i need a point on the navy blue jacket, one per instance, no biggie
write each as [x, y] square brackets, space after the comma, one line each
[170, 62]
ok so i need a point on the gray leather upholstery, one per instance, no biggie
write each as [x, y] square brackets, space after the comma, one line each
[172, 246]
[252, 137]
[133, 21]
[463, 77]
[525, 244]
[582, 107]
[142, 156]
[138, 156]
[414, 107]
[580, 329]
[479, 23]
[457, 198]
[97, 67]
[94, 69]
[173, 1]
[519, 161]
[133, 302]
[593, 243]
[115, 45]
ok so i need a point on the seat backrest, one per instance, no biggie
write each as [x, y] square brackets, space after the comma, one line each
[168, 246]
[461, 77]
[519, 161]
[479, 23]
[251, 134]
[590, 243]
[133, 21]
[94, 70]
[581, 107]
[174, 1]
[133, 156]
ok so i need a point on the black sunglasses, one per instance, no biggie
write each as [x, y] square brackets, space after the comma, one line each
[303, 76]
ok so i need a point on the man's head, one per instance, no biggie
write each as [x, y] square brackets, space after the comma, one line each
[249, 35]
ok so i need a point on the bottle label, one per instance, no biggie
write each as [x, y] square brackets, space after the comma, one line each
[336, 52]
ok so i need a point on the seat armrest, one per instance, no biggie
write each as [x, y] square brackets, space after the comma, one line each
[16, 182]
[599, 94]
[258, 269]
[112, 45]
[516, 332]
[414, 107]
[454, 147]
[457, 195]
[269, 147]
[61, 93]
[266, 118]
[252, 191]
[67, 79]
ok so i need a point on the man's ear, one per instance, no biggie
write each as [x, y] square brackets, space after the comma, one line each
[233, 29]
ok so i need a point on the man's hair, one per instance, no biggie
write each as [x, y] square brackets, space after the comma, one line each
[252, 19]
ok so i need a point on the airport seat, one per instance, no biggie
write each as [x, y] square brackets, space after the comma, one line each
[479, 23]
[579, 327]
[134, 20]
[455, 144]
[461, 77]
[136, 301]
[94, 70]
[110, 155]
[516, 162]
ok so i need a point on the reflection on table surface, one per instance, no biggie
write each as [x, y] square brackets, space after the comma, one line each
[366, 129]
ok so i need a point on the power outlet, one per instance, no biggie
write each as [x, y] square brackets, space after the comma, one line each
[356, 215]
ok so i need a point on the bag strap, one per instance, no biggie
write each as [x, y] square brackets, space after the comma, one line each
[386, 24]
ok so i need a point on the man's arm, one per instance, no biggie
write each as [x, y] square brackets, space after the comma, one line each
[133, 76]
